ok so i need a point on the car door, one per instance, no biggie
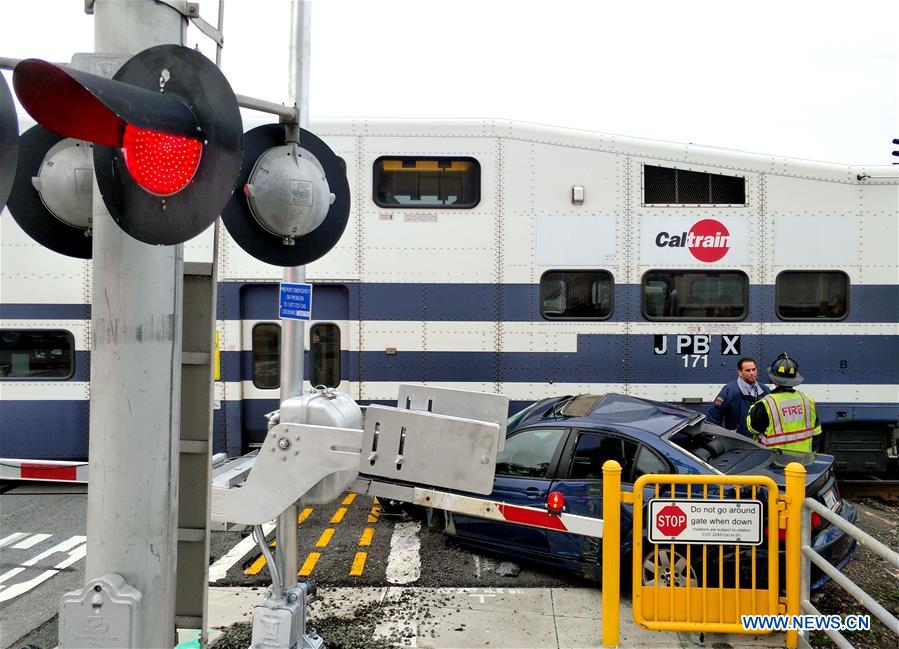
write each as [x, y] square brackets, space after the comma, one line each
[524, 472]
[580, 483]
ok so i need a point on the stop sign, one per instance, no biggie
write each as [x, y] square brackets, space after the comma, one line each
[671, 520]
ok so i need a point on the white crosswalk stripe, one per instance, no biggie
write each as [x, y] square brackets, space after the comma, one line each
[404, 562]
[31, 542]
[12, 538]
[75, 548]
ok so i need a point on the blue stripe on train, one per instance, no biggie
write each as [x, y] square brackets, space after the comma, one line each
[47, 430]
[601, 358]
[504, 302]
[455, 302]
[10, 311]
[58, 430]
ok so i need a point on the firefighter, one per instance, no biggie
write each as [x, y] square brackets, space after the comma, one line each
[785, 419]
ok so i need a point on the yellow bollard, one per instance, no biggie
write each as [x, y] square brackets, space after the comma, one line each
[795, 492]
[611, 552]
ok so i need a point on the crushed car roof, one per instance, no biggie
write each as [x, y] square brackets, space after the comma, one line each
[620, 410]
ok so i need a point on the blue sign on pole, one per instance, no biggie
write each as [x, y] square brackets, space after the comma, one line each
[295, 302]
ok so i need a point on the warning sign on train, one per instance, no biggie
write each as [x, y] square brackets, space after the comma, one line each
[730, 522]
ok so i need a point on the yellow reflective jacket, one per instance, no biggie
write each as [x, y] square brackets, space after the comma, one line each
[792, 421]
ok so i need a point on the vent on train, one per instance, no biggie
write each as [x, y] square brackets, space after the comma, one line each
[670, 186]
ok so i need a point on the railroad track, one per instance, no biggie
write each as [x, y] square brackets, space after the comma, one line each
[869, 487]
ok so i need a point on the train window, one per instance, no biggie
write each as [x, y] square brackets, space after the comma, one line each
[576, 295]
[811, 295]
[669, 186]
[267, 356]
[695, 295]
[36, 354]
[430, 182]
[324, 354]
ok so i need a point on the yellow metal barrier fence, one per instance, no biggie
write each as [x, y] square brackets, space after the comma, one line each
[678, 588]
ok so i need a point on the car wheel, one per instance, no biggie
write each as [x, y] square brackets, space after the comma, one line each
[672, 568]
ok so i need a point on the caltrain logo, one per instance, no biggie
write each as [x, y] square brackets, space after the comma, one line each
[708, 240]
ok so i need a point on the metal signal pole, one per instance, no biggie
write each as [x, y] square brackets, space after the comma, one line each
[134, 402]
[293, 331]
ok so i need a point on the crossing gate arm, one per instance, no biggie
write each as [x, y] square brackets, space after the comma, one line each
[315, 464]
[294, 459]
[43, 470]
[482, 508]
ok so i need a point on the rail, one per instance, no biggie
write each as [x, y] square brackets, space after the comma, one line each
[810, 506]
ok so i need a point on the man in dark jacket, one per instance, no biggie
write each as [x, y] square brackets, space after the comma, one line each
[732, 403]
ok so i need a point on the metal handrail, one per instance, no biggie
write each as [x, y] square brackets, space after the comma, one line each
[811, 556]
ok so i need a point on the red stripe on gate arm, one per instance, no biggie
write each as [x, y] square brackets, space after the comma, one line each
[524, 516]
[49, 471]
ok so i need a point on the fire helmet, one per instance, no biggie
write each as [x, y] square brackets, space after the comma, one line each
[785, 371]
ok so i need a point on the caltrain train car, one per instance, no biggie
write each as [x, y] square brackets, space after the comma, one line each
[531, 261]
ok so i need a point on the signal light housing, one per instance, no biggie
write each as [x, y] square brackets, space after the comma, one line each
[305, 222]
[9, 141]
[167, 131]
[51, 196]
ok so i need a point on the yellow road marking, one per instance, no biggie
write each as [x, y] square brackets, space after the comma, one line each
[349, 499]
[325, 538]
[256, 566]
[374, 514]
[367, 535]
[309, 564]
[338, 515]
[358, 564]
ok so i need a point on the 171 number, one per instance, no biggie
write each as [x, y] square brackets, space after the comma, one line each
[695, 358]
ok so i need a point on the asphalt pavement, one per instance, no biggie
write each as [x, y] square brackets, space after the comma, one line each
[42, 549]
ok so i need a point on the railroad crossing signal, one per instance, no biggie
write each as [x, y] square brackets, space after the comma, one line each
[293, 198]
[51, 197]
[166, 131]
[9, 141]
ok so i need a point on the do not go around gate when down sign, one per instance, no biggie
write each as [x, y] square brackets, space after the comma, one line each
[693, 521]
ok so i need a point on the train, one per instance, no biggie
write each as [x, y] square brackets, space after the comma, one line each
[527, 260]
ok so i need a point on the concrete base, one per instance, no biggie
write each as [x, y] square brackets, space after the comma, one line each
[466, 618]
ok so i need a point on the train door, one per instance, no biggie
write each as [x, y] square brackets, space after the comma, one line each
[326, 343]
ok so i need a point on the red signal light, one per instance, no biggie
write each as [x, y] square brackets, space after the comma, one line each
[162, 164]
[555, 503]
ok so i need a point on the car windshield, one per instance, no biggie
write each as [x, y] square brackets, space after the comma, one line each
[727, 451]
[515, 419]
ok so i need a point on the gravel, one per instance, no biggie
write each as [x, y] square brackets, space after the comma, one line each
[343, 629]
